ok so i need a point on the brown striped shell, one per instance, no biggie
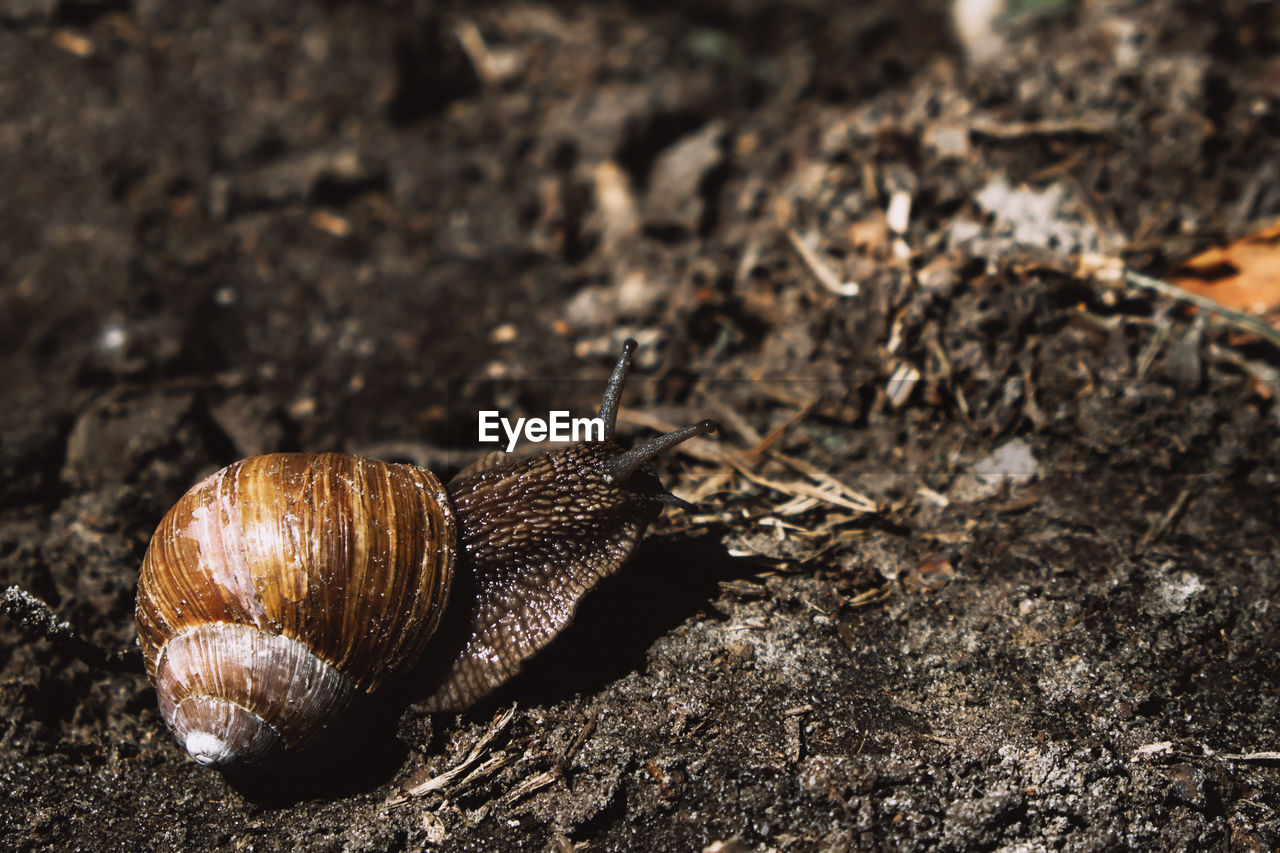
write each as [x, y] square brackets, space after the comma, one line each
[281, 586]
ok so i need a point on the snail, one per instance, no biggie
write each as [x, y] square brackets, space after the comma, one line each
[282, 587]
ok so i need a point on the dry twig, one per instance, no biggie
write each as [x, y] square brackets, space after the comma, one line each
[534, 783]
[1256, 325]
[443, 780]
[1250, 756]
[38, 619]
[821, 270]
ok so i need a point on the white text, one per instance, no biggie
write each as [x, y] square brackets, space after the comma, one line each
[558, 426]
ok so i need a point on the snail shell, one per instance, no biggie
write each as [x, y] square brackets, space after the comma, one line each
[306, 579]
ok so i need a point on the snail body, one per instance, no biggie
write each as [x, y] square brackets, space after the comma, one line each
[282, 587]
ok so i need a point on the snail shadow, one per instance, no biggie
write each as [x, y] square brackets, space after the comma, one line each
[665, 583]
[361, 755]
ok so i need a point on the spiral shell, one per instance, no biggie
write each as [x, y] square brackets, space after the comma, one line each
[282, 586]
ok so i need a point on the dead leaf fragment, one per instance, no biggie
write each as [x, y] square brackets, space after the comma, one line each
[332, 223]
[72, 43]
[1244, 275]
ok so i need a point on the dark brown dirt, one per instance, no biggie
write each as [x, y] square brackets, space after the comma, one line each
[228, 228]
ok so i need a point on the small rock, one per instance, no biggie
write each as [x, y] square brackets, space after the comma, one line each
[249, 422]
[1038, 217]
[1011, 463]
[111, 437]
[675, 186]
[1189, 785]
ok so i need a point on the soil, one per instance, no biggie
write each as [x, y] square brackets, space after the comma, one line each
[985, 556]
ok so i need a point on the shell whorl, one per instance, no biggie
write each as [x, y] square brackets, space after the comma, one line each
[234, 694]
[282, 586]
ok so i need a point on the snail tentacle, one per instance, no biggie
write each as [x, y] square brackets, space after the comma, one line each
[625, 464]
[613, 391]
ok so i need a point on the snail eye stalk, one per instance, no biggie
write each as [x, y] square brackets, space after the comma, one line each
[613, 391]
[625, 464]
